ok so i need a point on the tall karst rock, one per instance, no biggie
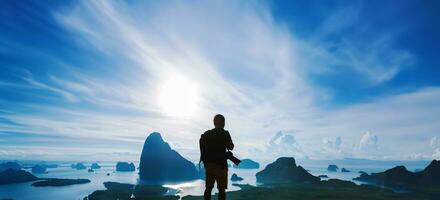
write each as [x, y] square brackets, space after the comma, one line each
[159, 163]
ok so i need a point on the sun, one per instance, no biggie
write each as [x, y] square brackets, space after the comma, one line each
[178, 97]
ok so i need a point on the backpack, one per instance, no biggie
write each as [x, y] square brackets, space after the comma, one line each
[213, 146]
[203, 149]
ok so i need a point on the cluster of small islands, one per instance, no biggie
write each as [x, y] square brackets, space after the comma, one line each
[281, 179]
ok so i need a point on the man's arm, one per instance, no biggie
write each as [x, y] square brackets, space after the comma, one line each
[201, 146]
[229, 143]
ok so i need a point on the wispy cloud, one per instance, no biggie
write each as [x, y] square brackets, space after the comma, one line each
[245, 64]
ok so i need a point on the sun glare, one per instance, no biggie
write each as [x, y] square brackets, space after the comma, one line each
[178, 97]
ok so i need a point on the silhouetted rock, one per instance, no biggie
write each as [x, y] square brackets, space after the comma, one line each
[78, 166]
[235, 177]
[11, 176]
[10, 165]
[332, 168]
[431, 174]
[323, 176]
[125, 167]
[95, 166]
[57, 182]
[247, 164]
[400, 177]
[345, 170]
[284, 169]
[39, 169]
[159, 163]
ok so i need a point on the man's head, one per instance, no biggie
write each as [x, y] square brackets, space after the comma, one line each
[219, 121]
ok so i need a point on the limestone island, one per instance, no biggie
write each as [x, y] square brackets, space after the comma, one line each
[56, 182]
[159, 163]
[125, 167]
[95, 166]
[10, 165]
[332, 168]
[11, 176]
[78, 166]
[285, 170]
[345, 170]
[235, 177]
[247, 164]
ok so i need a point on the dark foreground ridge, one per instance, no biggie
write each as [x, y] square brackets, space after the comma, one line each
[159, 163]
[330, 190]
[57, 182]
[123, 191]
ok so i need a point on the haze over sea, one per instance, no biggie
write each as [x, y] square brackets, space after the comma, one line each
[24, 191]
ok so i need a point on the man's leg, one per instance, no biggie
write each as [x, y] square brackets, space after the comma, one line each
[209, 181]
[221, 194]
[207, 194]
[222, 182]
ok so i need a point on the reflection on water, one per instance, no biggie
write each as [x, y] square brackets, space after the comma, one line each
[197, 187]
[24, 191]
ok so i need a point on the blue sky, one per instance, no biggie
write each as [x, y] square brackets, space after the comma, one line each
[311, 79]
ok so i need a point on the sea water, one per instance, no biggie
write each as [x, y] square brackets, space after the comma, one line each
[24, 191]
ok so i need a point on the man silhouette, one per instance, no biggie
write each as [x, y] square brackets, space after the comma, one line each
[214, 144]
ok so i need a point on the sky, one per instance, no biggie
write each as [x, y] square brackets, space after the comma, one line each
[90, 80]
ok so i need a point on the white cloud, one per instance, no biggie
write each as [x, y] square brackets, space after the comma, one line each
[336, 144]
[368, 142]
[436, 154]
[332, 149]
[434, 142]
[282, 144]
